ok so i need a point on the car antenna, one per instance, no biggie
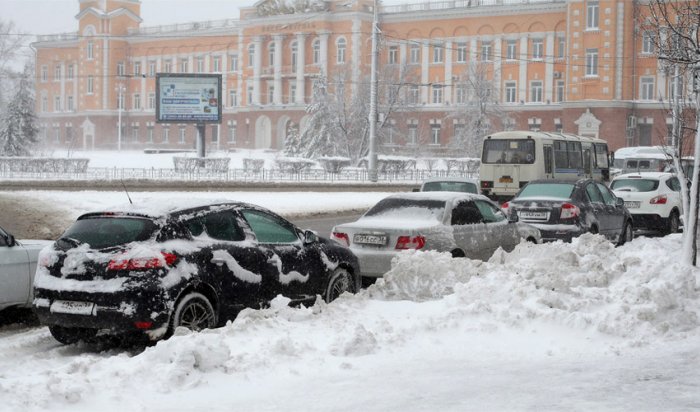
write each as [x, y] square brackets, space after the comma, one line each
[127, 192]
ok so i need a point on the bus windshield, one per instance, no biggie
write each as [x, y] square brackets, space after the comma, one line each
[512, 151]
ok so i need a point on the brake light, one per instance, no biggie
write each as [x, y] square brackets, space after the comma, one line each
[658, 200]
[408, 242]
[341, 238]
[569, 211]
[505, 206]
[143, 325]
[141, 263]
[486, 184]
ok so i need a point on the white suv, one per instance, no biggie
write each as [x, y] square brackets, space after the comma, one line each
[653, 199]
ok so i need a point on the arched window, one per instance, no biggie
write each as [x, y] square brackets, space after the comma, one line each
[295, 51]
[316, 47]
[271, 53]
[251, 55]
[341, 45]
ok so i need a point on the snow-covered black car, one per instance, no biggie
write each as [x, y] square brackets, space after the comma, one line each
[135, 270]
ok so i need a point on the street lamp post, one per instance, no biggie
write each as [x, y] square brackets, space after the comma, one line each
[372, 166]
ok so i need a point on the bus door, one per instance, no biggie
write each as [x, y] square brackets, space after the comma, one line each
[548, 161]
[587, 170]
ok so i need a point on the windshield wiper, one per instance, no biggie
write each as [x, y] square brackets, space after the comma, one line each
[70, 241]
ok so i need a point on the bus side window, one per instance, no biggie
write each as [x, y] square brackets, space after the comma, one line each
[587, 161]
[560, 158]
[547, 159]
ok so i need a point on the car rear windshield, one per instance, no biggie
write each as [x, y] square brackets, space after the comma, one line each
[465, 187]
[635, 185]
[423, 209]
[548, 190]
[104, 231]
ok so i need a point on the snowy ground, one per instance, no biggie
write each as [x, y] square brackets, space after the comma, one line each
[581, 326]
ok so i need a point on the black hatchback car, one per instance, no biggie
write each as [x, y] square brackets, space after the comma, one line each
[145, 271]
[564, 209]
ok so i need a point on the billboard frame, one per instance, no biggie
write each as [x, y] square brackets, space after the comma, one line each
[165, 76]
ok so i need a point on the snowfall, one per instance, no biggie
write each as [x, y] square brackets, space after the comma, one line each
[579, 326]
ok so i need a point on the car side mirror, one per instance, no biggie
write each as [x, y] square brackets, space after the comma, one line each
[513, 218]
[8, 241]
[620, 201]
[310, 237]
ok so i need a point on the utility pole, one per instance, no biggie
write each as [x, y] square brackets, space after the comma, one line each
[373, 100]
[120, 103]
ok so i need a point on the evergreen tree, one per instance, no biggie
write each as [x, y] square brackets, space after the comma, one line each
[18, 131]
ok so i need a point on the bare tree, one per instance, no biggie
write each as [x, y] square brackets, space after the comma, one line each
[672, 28]
[477, 110]
[10, 44]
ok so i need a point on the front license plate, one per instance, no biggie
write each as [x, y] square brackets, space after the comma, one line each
[369, 239]
[632, 205]
[532, 215]
[72, 307]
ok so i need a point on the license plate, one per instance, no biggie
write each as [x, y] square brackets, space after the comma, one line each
[505, 179]
[532, 215]
[632, 205]
[369, 239]
[72, 307]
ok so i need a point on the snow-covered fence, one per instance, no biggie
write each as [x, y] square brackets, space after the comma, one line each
[43, 165]
[213, 164]
[253, 165]
[293, 164]
[466, 165]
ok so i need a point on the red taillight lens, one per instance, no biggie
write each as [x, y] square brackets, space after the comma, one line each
[569, 211]
[659, 200]
[485, 184]
[166, 259]
[408, 242]
[505, 207]
[143, 325]
[341, 238]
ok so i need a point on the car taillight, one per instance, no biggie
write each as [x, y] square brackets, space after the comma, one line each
[486, 184]
[569, 211]
[408, 242]
[141, 263]
[341, 238]
[505, 206]
[658, 200]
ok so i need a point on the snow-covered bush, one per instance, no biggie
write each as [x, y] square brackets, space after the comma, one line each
[43, 164]
[253, 165]
[293, 164]
[213, 164]
[334, 164]
[464, 164]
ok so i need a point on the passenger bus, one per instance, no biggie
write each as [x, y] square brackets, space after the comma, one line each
[511, 159]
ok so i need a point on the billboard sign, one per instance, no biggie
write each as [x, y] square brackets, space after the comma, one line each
[188, 98]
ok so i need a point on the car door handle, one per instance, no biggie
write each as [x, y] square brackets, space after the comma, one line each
[218, 262]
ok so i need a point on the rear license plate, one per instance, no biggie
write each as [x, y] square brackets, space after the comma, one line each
[632, 205]
[366, 239]
[505, 179]
[525, 214]
[72, 307]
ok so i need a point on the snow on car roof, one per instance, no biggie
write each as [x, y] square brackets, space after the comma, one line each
[444, 196]
[161, 207]
[451, 179]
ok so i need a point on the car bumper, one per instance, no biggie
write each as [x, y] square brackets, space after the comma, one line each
[374, 263]
[648, 221]
[551, 233]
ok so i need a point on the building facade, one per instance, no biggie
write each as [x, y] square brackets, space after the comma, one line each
[578, 66]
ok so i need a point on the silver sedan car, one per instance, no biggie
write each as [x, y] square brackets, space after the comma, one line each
[464, 224]
[17, 267]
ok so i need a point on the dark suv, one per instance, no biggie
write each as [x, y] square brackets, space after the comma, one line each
[139, 271]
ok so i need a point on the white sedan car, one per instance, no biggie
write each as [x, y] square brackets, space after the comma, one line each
[464, 224]
[653, 199]
[17, 268]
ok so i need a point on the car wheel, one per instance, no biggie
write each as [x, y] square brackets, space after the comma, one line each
[341, 282]
[194, 312]
[673, 223]
[458, 253]
[627, 234]
[593, 230]
[69, 336]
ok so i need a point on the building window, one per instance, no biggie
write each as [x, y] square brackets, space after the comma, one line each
[592, 14]
[57, 103]
[412, 134]
[135, 134]
[295, 52]
[536, 91]
[461, 52]
[511, 49]
[647, 42]
[249, 95]
[168, 67]
[392, 94]
[672, 88]
[511, 96]
[90, 85]
[413, 94]
[44, 74]
[270, 94]
[292, 93]
[437, 93]
[44, 104]
[646, 91]
[217, 64]
[486, 51]
[461, 94]
[57, 134]
[120, 101]
[232, 133]
[165, 134]
[184, 66]
[57, 72]
[121, 70]
[90, 50]
[393, 54]
[251, 55]
[561, 48]
[69, 103]
[435, 134]
[182, 135]
[341, 50]
[69, 133]
[233, 98]
[200, 64]
[537, 49]
[151, 69]
[151, 101]
[234, 63]
[149, 134]
[137, 68]
[316, 51]
[560, 91]
[591, 62]
[271, 54]
[137, 101]
[415, 53]
[438, 52]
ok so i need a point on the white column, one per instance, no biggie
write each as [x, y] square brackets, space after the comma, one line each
[144, 94]
[241, 55]
[403, 56]
[619, 50]
[497, 59]
[425, 72]
[356, 58]
[257, 69]
[324, 52]
[549, 67]
[473, 52]
[105, 73]
[301, 62]
[64, 106]
[522, 78]
[447, 54]
[76, 76]
[277, 96]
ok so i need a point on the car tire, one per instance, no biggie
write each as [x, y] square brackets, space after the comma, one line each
[68, 336]
[458, 253]
[341, 282]
[194, 312]
[627, 234]
[673, 223]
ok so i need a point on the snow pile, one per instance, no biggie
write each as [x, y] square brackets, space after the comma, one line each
[637, 291]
